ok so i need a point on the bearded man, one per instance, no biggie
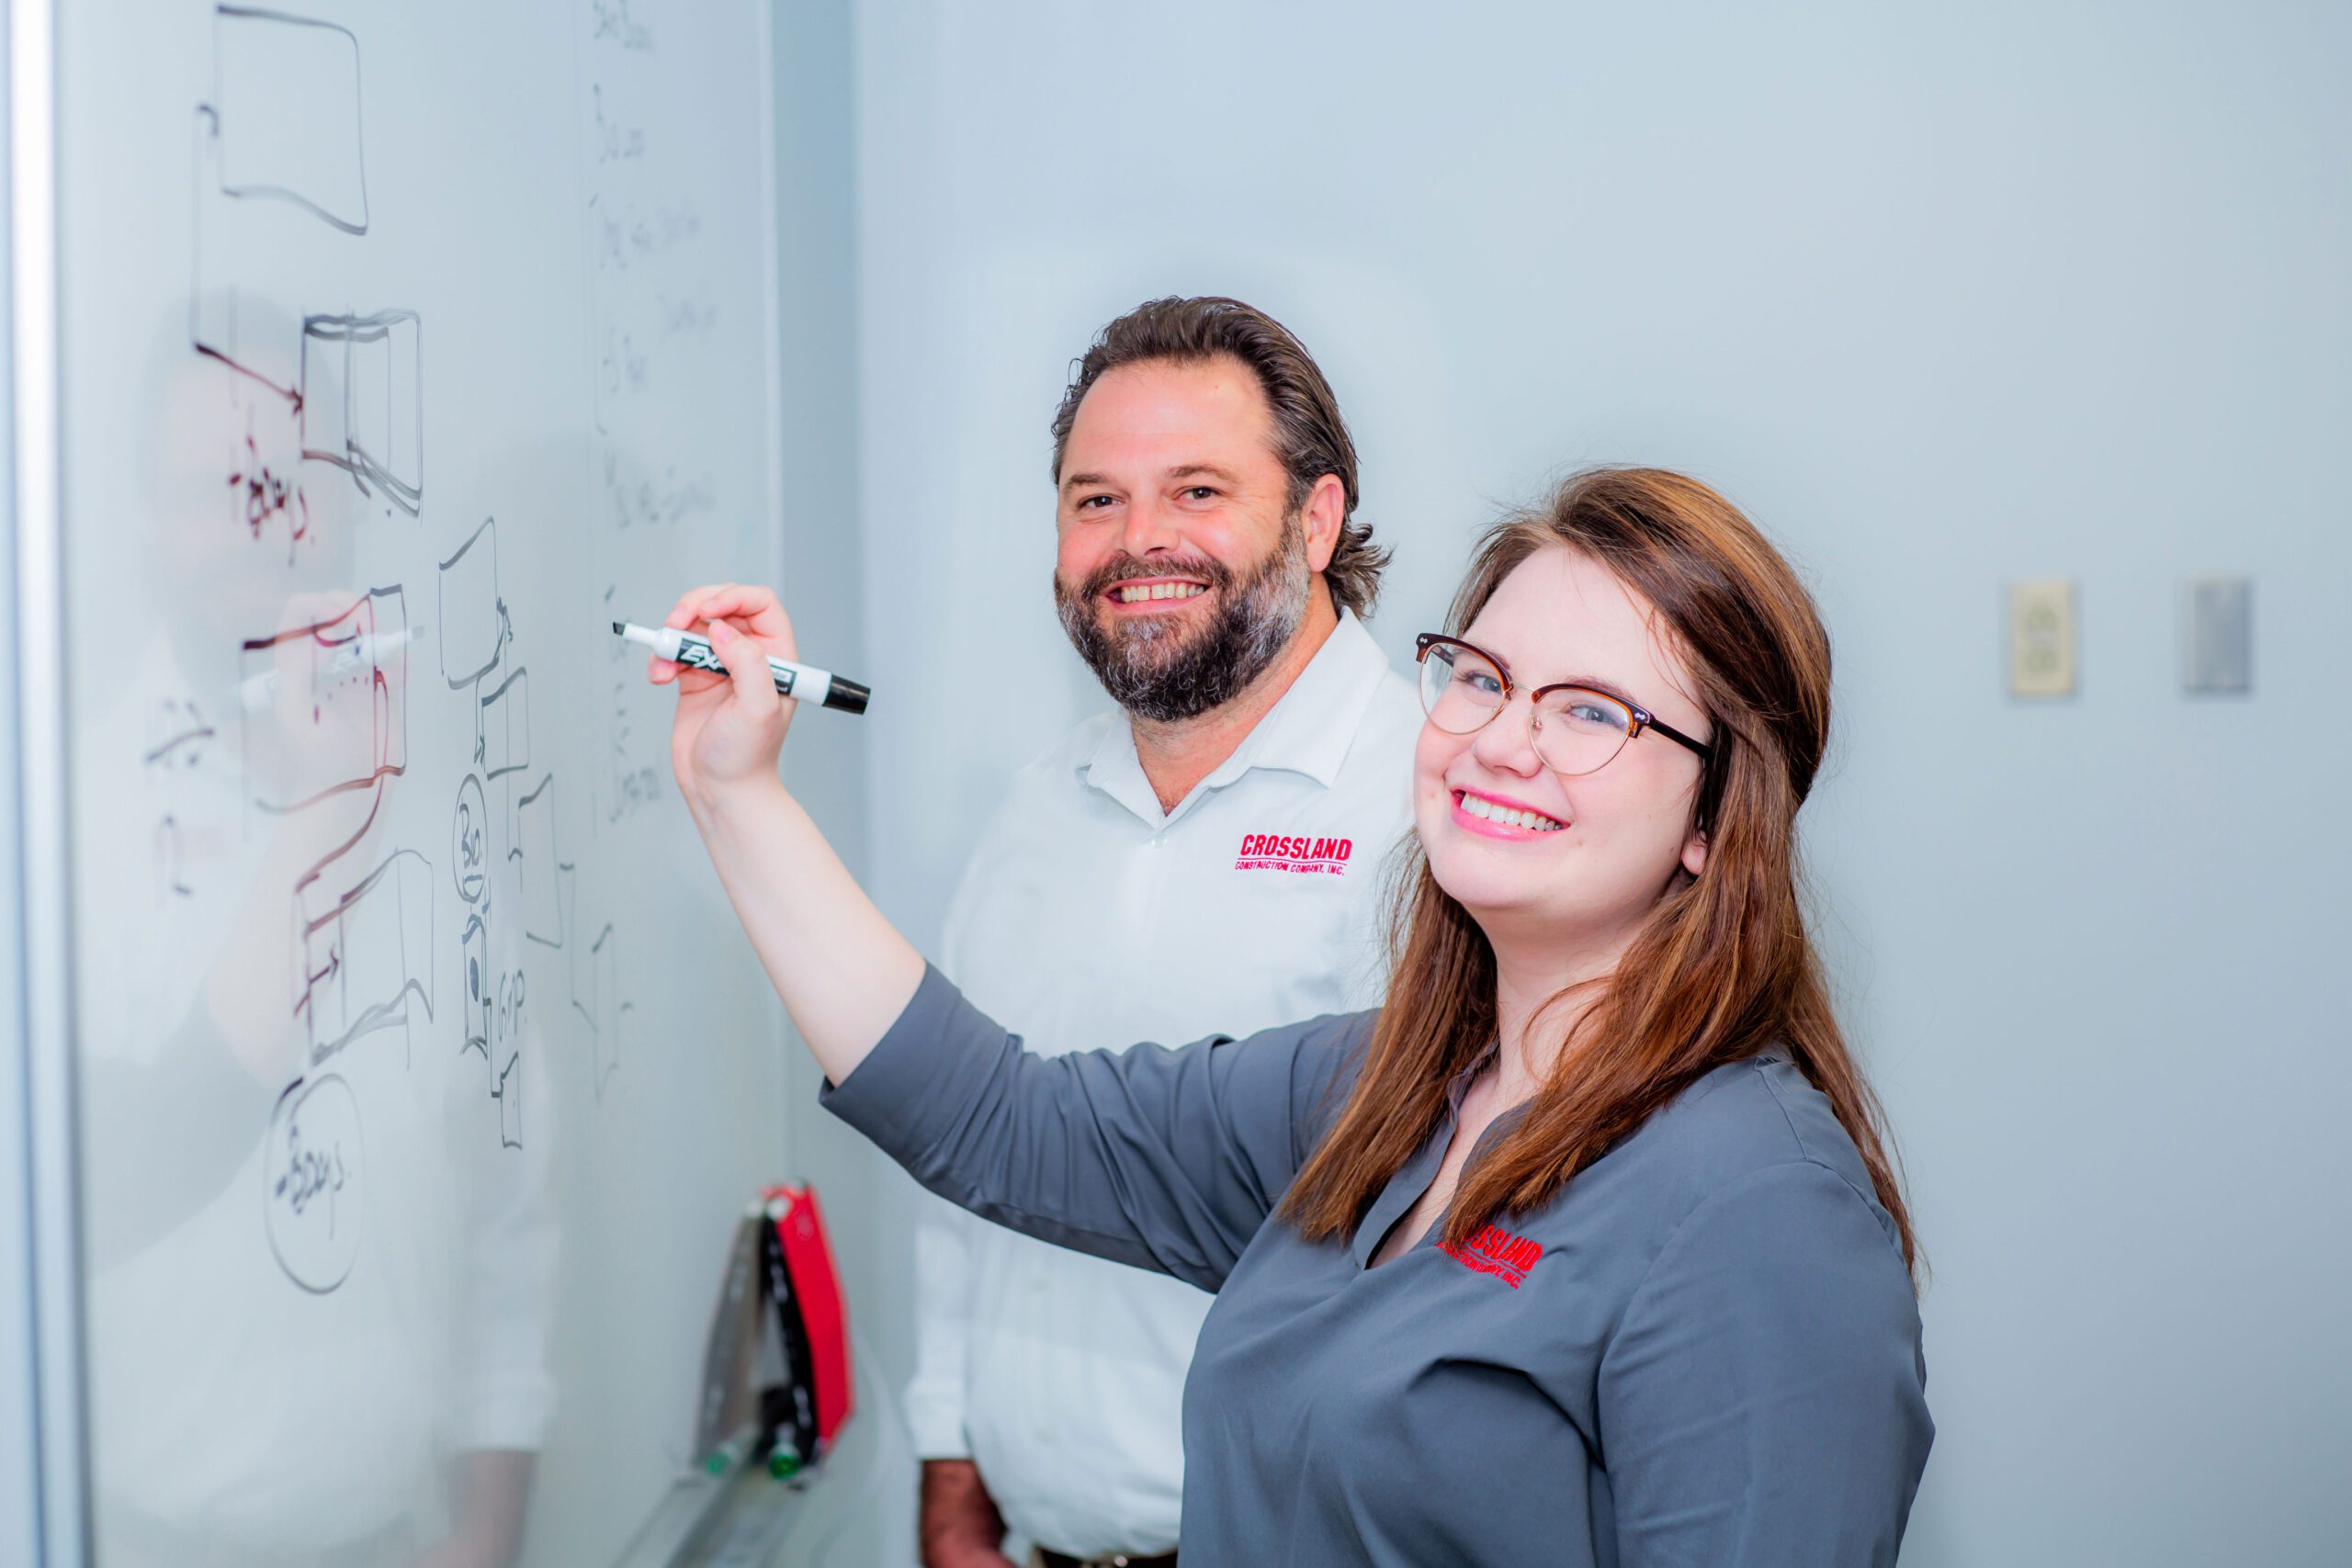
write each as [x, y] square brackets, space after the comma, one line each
[1206, 857]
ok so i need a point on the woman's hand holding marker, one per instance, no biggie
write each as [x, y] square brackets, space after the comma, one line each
[730, 728]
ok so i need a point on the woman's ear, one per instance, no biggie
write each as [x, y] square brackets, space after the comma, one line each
[1694, 852]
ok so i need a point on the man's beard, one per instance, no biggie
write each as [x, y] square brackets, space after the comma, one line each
[1159, 669]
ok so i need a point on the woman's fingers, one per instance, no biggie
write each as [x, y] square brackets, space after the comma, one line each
[701, 604]
[682, 613]
[753, 609]
[746, 667]
[756, 607]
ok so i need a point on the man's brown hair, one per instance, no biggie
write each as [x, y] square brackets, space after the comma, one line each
[1310, 438]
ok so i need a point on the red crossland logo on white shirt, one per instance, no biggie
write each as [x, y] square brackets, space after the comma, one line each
[1279, 851]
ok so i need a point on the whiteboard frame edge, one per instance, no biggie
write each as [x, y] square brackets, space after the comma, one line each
[52, 1128]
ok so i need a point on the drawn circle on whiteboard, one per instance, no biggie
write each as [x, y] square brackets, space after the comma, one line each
[313, 1182]
[470, 842]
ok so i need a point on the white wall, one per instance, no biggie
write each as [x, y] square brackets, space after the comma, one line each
[862, 1511]
[1942, 297]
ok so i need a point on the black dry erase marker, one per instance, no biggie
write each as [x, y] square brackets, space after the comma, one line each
[806, 681]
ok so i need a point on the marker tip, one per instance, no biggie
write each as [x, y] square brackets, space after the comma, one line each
[620, 628]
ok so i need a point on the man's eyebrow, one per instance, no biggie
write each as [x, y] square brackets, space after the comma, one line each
[1204, 470]
[1225, 477]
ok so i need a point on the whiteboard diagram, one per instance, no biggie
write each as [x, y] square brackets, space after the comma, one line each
[283, 125]
[400, 339]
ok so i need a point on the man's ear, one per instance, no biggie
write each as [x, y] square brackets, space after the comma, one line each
[1326, 509]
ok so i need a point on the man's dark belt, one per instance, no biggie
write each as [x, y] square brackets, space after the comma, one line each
[1051, 1559]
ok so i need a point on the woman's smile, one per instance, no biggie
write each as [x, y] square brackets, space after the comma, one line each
[1498, 816]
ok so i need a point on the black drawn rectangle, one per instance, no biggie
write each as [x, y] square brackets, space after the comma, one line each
[473, 618]
[286, 90]
[535, 847]
[506, 726]
[366, 953]
[362, 392]
[509, 1095]
[322, 383]
[385, 389]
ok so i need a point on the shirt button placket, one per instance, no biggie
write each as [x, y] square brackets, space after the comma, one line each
[1146, 881]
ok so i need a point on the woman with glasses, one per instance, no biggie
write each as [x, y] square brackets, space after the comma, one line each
[1585, 1248]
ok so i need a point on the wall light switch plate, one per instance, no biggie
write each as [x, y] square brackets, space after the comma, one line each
[2041, 637]
[2217, 634]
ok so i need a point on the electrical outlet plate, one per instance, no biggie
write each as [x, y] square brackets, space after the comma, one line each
[2041, 637]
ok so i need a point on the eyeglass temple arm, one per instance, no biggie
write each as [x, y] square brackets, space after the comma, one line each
[1650, 721]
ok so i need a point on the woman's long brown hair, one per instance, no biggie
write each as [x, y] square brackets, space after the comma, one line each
[1723, 970]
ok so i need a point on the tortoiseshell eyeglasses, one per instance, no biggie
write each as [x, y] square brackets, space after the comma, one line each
[1574, 730]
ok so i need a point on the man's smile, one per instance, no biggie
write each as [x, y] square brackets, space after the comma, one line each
[1149, 596]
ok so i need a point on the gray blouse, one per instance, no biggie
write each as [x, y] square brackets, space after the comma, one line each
[1705, 1350]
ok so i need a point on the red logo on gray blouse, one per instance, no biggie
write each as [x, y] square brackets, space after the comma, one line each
[1309, 857]
[1497, 1252]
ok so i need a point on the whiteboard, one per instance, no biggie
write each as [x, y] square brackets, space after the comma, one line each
[423, 1071]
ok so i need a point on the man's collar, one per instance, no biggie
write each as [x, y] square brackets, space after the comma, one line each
[1309, 729]
[1311, 725]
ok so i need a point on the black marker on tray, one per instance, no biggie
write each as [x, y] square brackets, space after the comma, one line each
[805, 682]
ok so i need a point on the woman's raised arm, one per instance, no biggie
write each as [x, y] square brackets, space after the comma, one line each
[844, 971]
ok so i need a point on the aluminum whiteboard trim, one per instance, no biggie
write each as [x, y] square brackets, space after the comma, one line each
[48, 1023]
[19, 1432]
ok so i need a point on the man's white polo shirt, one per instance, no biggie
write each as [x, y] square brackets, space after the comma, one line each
[1087, 918]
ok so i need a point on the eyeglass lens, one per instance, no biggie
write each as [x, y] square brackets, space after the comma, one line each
[1574, 731]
